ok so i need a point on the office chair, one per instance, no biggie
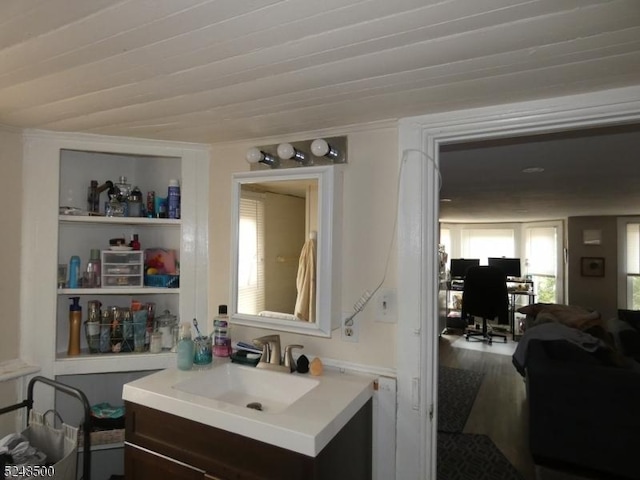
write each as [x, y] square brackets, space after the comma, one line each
[485, 295]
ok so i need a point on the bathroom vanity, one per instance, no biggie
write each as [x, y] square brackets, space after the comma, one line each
[196, 425]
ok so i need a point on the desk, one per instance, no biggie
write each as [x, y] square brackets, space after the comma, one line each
[514, 290]
[513, 294]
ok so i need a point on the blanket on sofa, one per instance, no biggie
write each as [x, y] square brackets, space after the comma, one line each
[553, 331]
[569, 315]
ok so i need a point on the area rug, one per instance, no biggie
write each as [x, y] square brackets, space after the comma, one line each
[497, 346]
[457, 390]
[470, 456]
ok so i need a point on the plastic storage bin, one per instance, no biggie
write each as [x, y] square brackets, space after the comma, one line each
[122, 269]
[162, 281]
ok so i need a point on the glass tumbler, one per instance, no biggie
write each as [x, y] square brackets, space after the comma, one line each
[203, 354]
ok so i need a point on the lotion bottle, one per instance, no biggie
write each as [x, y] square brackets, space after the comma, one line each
[75, 323]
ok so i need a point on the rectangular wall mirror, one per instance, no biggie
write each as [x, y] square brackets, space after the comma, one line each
[286, 230]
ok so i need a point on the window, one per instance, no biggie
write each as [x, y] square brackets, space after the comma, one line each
[251, 254]
[539, 245]
[631, 237]
[445, 239]
[541, 254]
[483, 243]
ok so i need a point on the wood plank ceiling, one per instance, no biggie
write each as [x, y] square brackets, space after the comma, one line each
[224, 70]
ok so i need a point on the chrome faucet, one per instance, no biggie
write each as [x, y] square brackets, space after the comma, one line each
[271, 359]
[288, 357]
[270, 348]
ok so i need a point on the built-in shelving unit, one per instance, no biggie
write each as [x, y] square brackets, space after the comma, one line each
[57, 169]
[79, 234]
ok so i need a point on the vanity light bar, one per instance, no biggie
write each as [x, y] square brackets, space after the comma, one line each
[319, 151]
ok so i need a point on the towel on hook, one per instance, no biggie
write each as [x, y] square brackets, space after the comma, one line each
[306, 283]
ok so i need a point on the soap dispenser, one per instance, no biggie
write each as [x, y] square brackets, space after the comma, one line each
[185, 349]
[75, 323]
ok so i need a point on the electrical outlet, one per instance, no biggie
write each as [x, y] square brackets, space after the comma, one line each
[386, 308]
[349, 332]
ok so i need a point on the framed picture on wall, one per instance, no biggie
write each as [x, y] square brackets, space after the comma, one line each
[592, 266]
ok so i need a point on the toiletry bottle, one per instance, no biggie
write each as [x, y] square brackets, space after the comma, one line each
[221, 337]
[92, 326]
[105, 330]
[151, 324]
[135, 242]
[173, 199]
[127, 331]
[75, 323]
[185, 348]
[93, 269]
[135, 202]
[151, 202]
[117, 336]
[93, 197]
[123, 192]
[74, 271]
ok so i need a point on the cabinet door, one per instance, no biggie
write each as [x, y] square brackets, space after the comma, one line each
[144, 465]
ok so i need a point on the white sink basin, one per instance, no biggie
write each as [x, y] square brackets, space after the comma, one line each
[272, 392]
[300, 414]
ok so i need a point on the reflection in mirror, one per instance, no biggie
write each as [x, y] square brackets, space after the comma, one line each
[285, 250]
[276, 265]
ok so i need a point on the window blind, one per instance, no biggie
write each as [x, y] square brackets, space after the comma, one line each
[251, 297]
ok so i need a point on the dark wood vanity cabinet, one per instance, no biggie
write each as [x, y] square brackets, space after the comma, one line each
[161, 445]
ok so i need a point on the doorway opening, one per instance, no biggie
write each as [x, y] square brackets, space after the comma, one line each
[418, 240]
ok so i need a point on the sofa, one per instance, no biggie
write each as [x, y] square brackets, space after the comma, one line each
[584, 400]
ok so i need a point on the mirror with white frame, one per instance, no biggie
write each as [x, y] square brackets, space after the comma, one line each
[285, 266]
[279, 217]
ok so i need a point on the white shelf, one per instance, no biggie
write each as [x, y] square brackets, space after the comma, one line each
[104, 446]
[16, 368]
[118, 291]
[111, 362]
[118, 220]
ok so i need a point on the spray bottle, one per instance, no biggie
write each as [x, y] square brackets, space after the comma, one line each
[74, 272]
[75, 323]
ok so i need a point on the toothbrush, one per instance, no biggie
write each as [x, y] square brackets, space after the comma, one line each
[195, 324]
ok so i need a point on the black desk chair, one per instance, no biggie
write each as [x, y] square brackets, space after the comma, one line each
[485, 295]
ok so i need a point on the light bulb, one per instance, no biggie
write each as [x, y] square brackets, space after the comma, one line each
[319, 147]
[254, 155]
[286, 151]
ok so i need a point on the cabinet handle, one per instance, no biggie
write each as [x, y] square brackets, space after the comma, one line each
[211, 477]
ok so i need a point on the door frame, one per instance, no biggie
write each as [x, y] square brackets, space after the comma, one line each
[419, 141]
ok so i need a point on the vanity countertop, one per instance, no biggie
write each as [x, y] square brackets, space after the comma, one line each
[306, 426]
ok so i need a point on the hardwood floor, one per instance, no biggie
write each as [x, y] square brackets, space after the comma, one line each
[500, 409]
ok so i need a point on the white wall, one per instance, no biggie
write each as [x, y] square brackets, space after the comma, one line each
[370, 180]
[284, 237]
[11, 221]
